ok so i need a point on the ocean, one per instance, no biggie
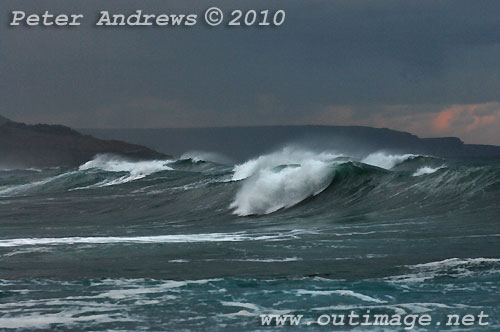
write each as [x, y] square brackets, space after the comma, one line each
[199, 244]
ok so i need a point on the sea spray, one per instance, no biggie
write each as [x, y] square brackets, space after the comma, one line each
[286, 156]
[136, 169]
[424, 170]
[154, 252]
[281, 180]
[385, 160]
[112, 163]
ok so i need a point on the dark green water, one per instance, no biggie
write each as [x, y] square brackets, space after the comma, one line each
[200, 246]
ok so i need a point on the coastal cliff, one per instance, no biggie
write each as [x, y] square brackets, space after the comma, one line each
[42, 145]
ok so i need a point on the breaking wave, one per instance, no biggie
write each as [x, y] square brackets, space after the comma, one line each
[281, 180]
[136, 169]
[272, 189]
[286, 156]
[285, 178]
[385, 160]
[321, 181]
[92, 174]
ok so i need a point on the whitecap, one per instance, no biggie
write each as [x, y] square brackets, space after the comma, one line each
[178, 238]
[385, 160]
[424, 170]
[341, 292]
[281, 180]
[286, 156]
[136, 169]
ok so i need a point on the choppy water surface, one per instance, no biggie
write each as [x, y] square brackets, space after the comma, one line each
[193, 244]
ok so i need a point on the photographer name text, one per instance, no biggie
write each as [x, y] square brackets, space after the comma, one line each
[212, 16]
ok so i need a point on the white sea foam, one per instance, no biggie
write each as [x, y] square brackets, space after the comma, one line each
[31, 169]
[136, 169]
[281, 180]
[89, 310]
[267, 260]
[454, 267]
[454, 262]
[286, 156]
[254, 309]
[250, 306]
[385, 160]
[341, 292]
[27, 250]
[424, 170]
[178, 261]
[399, 309]
[66, 318]
[111, 163]
[180, 238]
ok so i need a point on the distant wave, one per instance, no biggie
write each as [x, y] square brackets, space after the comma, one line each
[136, 169]
[83, 179]
[269, 183]
[214, 157]
[25, 188]
[285, 178]
[30, 169]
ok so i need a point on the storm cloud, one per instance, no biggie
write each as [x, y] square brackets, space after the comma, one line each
[429, 67]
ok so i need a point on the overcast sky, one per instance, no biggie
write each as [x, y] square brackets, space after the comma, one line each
[428, 67]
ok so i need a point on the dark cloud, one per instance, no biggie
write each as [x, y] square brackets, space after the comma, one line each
[365, 56]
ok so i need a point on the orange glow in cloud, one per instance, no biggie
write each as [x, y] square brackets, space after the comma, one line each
[460, 113]
[474, 123]
[480, 121]
[443, 120]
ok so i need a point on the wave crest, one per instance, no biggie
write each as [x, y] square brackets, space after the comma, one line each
[281, 180]
[286, 156]
[424, 170]
[136, 169]
[385, 160]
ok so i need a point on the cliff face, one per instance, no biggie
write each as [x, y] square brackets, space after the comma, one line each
[242, 143]
[24, 145]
